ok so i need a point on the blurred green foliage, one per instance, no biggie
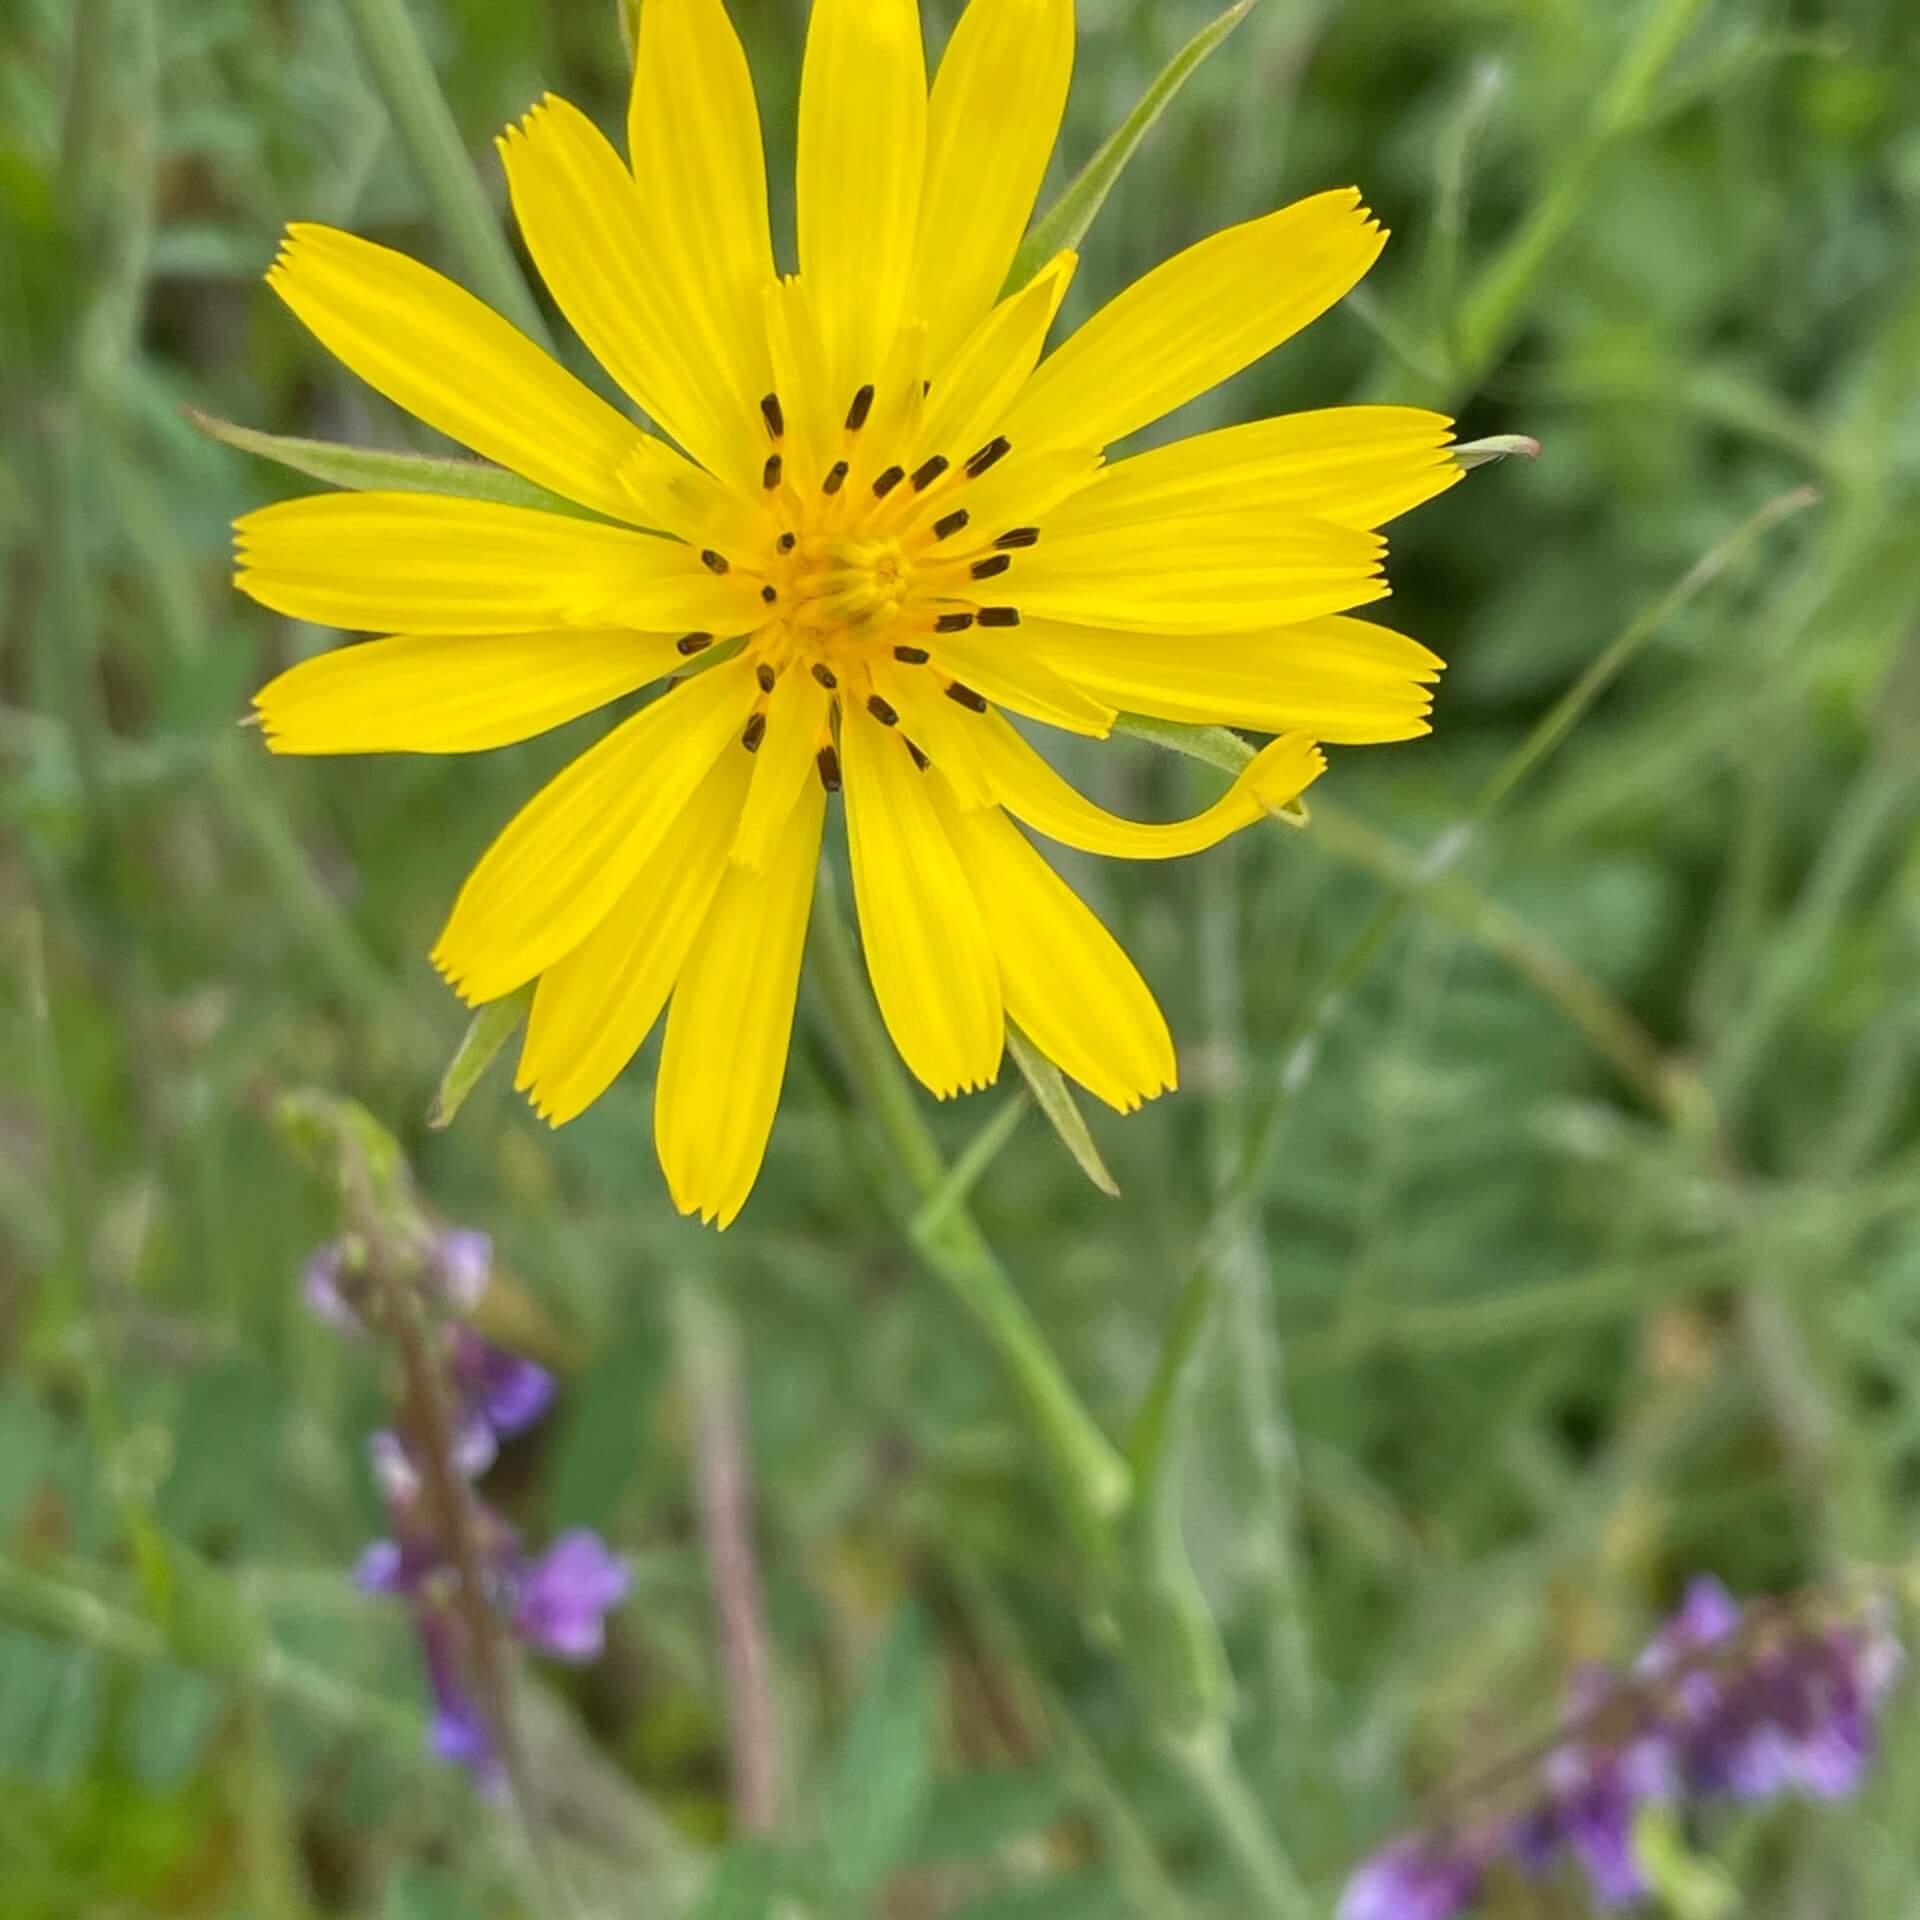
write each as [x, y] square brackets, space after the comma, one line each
[1582, 1251]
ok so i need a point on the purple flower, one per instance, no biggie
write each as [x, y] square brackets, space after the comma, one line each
[565, 1595]
[321, 1289]
[463, 1264]
[459, 1731]
[1419, 1878]
[509, 1393]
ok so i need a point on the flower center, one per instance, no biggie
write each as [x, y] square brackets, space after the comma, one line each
[850, 583]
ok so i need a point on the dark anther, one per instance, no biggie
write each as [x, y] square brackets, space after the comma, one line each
[756, 731]
[696, 643]
[766, 676]
[1018, 537]
[836, 477]
[888, 481]
[862, 406]
[825, 675]
[913, 656]
[926, 387]
[771, 414]
[770, 473]
[928, 471]
[881, 711]
[992, 564]
[919, 758]
[950, 523]
[999, 616]
[953, 623]
[996, 449]
[713, 562]
[829, 764]
[973, 702]
[788, 541]
[769, 594]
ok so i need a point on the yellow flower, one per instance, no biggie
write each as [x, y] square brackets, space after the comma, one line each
[867, 475]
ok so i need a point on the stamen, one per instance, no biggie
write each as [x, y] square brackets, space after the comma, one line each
[755, 732]
[950, 523]
[862, 406]
[919, 758]
[881, 711]
[694, 643]
[996, 449]
[771, 414]
[788, 541]
[825, 675]
[714, 562]
[836, 477]
[766, 676]
[953, 622]
[770, 473]
[992, 564]
[1018, 537]
[999, 616]
[928, 471]
[887, 481]
[769, 593]
[973, 702]
[913, 656]
[829, 764]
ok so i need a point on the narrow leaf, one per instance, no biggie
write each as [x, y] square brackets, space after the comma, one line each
[1496, 446]
[1064, 224]
[1054, 1098]
[876, 1799]
[487, 1032]
[363, 467]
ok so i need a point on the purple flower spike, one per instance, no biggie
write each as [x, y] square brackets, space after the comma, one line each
[463, 1263]
[565, 1594]
[382, 1568]
[393, 1472]
[511, 1393]
[459, 1731]
[1414, 1879]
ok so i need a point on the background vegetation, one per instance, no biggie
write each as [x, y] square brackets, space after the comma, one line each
[1553, 1161]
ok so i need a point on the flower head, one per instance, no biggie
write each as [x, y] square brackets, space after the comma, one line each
[880, 521]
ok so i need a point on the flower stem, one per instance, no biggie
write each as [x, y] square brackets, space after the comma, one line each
[403, 76]
[1090, 1478]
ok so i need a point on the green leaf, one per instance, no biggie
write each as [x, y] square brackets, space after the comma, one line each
[1054, 1098]
[876, 1798]
[1085, 1895]
[743, 1882]
[979, 1813]
[487, 1032]
[1064, 224]
[363, 467]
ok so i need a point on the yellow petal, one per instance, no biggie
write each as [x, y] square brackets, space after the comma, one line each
[574, 849]
[1341, 680]
[731, 1023]
[667, 492]
[783, 765]
[933, 970]
[1196, 319]
[1033, 792]
[940, 728]
[1354, 466]
[586, 226]
[435, 350]
[595, 1005]
[1067, 983]
[813, 421]
[862, 147]
[420, 563]
[974, 388]
[1225, 572]
[453, 693]
[693, 137]
[991, 125]
[1001, 664]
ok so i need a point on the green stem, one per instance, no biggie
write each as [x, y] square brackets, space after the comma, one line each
[1090, 1478]
[1241, 1825]
[404, 78]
